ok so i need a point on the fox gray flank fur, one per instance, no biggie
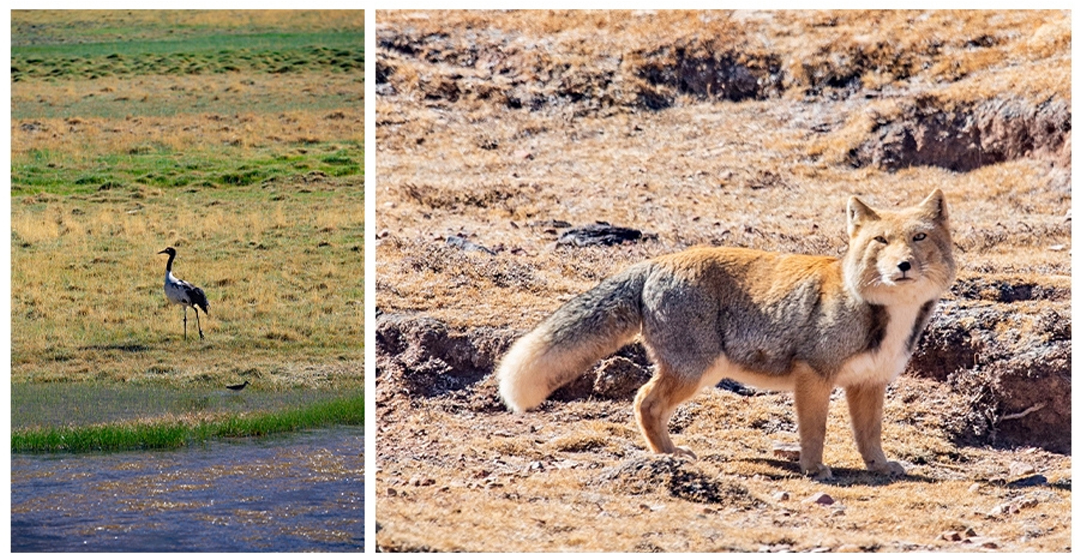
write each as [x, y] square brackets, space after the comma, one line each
[802, 323]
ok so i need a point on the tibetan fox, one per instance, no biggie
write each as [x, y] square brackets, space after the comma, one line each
[777, 321]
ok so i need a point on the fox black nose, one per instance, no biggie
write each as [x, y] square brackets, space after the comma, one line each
[904, 266]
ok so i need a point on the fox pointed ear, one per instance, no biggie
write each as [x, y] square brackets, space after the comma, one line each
[857, 214]
[934, 206]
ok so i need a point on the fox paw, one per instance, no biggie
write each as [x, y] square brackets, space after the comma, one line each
[819, 472]
[890, 468]
[683, 452]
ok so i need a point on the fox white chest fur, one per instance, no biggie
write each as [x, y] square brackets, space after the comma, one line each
[888, 361]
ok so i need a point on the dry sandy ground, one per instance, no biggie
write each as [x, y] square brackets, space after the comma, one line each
[497, 130]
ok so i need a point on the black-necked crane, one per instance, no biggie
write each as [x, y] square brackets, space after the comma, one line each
[184, 293]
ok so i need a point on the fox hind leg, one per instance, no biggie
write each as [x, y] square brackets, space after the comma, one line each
[655, 403]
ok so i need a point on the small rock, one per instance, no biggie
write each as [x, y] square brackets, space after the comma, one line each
[391, 492]
[786, 451]
[1025, 502]
[821, 498]
[781, 496]
[600, 234]
[619, 378]
[467, 245]
[974, 488]
[1012, 507]
[970, 532]
[523, 154]
[951, 536]
[986, 543]
[1034, 480]
[1016, 468]
[421, 481]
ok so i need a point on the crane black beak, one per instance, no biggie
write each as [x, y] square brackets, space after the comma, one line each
[163, 251]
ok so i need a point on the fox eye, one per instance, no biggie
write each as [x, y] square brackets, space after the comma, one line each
[881, 239]
[920, 236]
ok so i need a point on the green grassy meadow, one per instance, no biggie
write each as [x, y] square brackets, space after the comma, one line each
[235, 137]
[166, 433]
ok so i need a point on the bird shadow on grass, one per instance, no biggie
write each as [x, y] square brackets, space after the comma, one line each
[129, 348]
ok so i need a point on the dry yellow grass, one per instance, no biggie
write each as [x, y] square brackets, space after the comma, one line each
[280, 274]
[492, 126]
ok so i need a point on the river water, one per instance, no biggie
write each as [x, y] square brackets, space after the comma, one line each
[302, 491]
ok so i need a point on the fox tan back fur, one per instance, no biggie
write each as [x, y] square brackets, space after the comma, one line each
[802, 323]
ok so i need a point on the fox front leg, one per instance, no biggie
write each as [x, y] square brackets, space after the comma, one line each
[865, 403]
[812, 411]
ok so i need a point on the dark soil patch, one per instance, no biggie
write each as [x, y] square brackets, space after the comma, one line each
[646, 474]
[1008, 291]
[422, 357]
[553, 75]
[1011, 365]
[706, 69]
[601, 234]
[966, 137]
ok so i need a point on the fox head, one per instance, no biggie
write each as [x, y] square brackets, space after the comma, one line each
[899, 256]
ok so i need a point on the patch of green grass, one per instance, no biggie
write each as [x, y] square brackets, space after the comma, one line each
[160, 166]
[79, 404]
[178, 433]
[277, 99]
[273, 53]
[44, 27]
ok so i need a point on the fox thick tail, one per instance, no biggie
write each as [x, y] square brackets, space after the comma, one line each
[572, 339]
